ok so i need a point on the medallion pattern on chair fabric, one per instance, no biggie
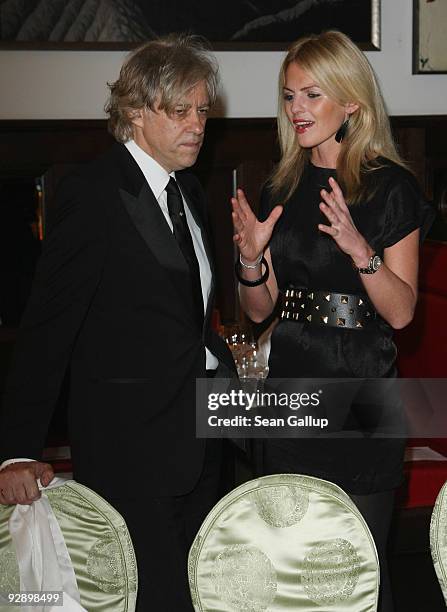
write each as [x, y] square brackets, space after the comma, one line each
[281, 506]
[244, 578]
[331, 572]
[284, 542]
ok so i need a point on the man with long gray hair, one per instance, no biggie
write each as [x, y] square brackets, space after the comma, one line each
[123, 299]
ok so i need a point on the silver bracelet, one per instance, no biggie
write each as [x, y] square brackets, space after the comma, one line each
[251, 267]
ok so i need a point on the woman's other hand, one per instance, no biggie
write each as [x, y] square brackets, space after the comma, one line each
[342, 228]
[250, 235]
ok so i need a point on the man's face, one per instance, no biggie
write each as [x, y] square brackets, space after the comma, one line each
[174, 140]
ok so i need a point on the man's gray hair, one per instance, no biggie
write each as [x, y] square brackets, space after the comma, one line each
[156, 76]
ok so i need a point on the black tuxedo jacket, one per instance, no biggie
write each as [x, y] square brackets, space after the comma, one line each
[112, 302]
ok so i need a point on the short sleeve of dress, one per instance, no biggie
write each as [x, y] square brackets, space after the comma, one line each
[406, 209]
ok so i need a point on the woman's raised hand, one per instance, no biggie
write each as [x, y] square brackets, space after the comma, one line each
[250, 235]
[341, 228]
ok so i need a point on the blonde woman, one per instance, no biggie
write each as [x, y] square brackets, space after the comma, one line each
[337, 245]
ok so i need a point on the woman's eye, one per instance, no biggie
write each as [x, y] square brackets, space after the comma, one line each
[312, 94]
[288, 97]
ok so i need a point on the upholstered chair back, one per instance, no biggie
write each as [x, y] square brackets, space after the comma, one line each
[438, 539]
[70, 539]
[284, 542]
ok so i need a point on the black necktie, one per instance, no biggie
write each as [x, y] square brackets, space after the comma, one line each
[183, 237]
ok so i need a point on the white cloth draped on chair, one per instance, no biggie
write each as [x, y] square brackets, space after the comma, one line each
[72, 541]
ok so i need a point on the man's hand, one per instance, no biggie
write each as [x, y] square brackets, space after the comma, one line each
[18, 481]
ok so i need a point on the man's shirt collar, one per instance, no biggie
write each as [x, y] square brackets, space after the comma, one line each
[155, 175]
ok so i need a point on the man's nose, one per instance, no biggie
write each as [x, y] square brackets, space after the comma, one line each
[196, 122]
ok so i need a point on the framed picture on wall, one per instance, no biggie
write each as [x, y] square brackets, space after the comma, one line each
[229, 25]
[429, 36]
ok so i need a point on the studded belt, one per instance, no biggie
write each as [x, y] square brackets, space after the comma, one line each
[318, 307]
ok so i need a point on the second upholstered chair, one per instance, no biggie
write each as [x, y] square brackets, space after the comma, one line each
[438, 539]
[284, 542]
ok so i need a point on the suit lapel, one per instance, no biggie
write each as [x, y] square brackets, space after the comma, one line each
[148, 219]
[150, 222]
[145, 213]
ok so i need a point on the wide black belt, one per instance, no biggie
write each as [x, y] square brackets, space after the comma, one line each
[327, 308]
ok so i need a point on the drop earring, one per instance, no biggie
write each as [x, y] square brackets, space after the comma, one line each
[341, 132]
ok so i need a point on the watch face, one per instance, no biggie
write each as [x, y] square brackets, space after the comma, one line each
[376, 262]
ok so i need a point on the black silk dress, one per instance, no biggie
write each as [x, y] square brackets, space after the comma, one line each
[304, 257]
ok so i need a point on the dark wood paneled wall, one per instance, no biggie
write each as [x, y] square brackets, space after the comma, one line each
[240, 151]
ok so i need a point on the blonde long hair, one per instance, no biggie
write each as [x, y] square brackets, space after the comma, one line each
[345, 75]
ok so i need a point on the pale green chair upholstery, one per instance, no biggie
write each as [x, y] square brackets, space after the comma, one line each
[284, 542]
[98, 544]
[438, 539]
